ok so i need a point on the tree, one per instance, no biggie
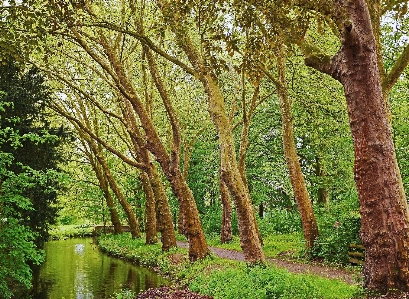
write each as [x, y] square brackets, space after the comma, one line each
[26, 114]
[250, 238]
[28, 182]
[384, 211]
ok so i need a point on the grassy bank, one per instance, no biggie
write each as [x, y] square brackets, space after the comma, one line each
[71, 231]
[226, 279]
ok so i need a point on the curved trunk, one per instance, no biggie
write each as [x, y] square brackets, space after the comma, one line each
[103, 185]
[384, 216]
[111, 207]
[229, 170]
[302, 198]
[192, 226]
[194, 232]
[383, 206]
[159, 213]
[230, 174]
[132, 220]
[164, 215]
[150, 210]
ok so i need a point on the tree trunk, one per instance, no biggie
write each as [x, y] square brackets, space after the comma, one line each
[102, 180]
[150, 210]
[230, 174]
[116, 222]
[226, 234]
[383, 207]
[192, 226]
[164, 216]
[132, 220]
[248, 229]
[302, 198]
[161, 209]
[323, 192]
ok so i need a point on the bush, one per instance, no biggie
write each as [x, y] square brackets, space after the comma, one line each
[338, 229]
[280, 221]
[212, 221]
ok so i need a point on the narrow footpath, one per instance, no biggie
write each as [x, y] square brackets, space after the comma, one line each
[291, 266]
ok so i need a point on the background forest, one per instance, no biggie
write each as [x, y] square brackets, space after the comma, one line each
[201, 117]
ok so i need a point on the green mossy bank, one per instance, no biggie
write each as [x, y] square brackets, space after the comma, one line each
[225, 279]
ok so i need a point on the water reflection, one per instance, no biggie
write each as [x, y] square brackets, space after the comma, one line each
[75, 268]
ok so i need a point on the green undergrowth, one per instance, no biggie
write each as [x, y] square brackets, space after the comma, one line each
[71, 231]
[285, 245]
[221, 278]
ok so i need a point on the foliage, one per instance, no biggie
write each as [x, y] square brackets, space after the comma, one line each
[124, 294]
[287, 245]
[28, 176]
[339, 227]
[226, 279]
[267, 282]
[71, 231]
[17, 248]
[212, 218]
[29, 137]
[280, 221]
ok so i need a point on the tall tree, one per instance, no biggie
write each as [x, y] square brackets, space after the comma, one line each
[27, 190]
[383, 207]
[28, 95]
[250, 238]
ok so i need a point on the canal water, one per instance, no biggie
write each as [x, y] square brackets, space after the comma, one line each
[76, 269]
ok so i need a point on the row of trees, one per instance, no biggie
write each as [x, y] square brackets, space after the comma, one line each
[134, 79]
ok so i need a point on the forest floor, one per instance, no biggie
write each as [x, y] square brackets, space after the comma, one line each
[292, 266]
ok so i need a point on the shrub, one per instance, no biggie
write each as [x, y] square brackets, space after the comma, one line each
[338, 228]
[280, 221]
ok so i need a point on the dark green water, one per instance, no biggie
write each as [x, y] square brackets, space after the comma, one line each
[75, 268]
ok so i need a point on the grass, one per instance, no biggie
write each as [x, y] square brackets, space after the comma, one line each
[290, 245]
[71, 231]
[230, 279]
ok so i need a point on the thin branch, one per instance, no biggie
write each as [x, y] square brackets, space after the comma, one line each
[392, 77]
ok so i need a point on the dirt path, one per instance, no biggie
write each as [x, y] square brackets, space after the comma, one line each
[291, 266]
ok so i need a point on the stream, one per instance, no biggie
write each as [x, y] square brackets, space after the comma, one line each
[76, 269]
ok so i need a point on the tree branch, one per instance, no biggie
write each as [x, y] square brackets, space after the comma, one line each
[392, 77]
[320, 61]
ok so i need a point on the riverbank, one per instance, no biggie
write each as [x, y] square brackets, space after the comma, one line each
[222, 278]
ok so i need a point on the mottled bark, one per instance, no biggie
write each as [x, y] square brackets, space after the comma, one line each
[192, 226]
[249, 234]
[164, 215]
[226, 234]
[150, 210]
[161, 207]
[309, 223]
[383, 208]
[132, 220]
